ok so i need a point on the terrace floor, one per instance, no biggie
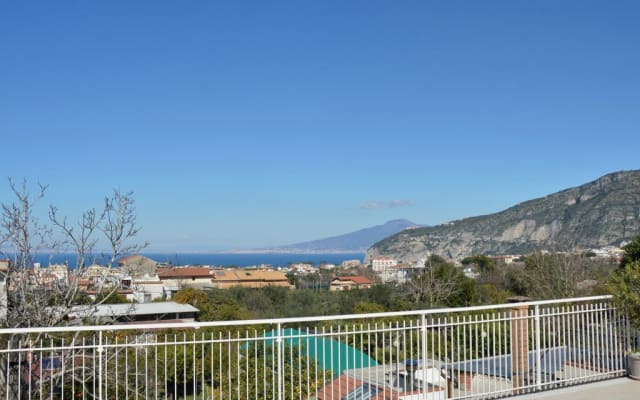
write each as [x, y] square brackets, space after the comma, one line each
[615, 389]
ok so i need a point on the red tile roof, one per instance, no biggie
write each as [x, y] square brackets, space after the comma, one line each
[184, 272]
[230, 277]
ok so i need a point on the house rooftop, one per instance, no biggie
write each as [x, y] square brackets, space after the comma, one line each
[130, 309]
[184, 272]
[361, 280]
[247, 275]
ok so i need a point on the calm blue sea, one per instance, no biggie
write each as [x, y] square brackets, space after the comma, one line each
[222, 260]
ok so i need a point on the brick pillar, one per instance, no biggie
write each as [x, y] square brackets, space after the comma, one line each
[519, 343]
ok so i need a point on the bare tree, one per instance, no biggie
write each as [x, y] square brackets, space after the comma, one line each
[120, 225]
[21, 230]
[555, 275]
[40, 300]
[438, 283]
[25, 236]
[27, 297]
[79, 236]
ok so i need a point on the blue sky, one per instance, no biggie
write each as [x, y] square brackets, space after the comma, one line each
[249, 124]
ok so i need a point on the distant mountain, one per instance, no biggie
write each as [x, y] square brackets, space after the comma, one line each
[599, 213]
[358, 241]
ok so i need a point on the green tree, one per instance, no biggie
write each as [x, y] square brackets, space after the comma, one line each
[110, 297]
[517, 281]
[440, 283]
[195, 297]
[485, 264]
[363, 307]
[302, 376]
[631, 252]
[291, 277]
[491, 294]
[624, 284]
[553, 275]
[224, 309]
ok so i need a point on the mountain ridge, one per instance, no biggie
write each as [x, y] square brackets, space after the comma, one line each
[602, 212]
[358, 241]
[353, 242]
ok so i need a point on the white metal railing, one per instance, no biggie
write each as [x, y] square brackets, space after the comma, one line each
[473, 352]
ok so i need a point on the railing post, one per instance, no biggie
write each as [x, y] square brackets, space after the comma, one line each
[629, 340]
[100, 350]
[279, 348]
[423, 331]
[538, 349]
[519, 344]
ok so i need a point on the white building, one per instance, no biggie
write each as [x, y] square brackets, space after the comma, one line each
[126, 313]
[379, 264]
[396, 274]
[351, 263]
[148, 290]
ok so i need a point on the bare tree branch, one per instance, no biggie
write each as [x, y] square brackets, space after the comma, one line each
[39, 299]
[120, 225]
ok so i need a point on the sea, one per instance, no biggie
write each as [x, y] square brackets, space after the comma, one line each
[220, 259]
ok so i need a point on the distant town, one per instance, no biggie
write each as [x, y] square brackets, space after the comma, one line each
[141, 280]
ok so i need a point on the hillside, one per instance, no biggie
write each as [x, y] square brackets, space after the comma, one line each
[358, 241]
[599, 213]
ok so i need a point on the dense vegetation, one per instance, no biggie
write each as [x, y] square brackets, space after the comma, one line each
[439, 284]
[625, 282]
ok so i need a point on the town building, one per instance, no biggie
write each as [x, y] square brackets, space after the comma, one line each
[351, 263]
[398, 274]
[176, 278]
[137, 265]
[350, 282]
[167, 311]
[379, 264]
[252, 278]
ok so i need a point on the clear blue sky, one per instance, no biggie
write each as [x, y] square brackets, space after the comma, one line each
[247, 124]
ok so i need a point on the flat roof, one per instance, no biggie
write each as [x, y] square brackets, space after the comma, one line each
[110, 310]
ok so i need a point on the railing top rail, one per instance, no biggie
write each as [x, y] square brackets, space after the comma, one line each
[282, 321]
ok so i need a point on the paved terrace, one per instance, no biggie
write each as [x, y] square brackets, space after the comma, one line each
[615, 389]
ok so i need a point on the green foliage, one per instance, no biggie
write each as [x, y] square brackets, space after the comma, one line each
[484, 263]
[440, 283]
[553, 275]
[631, 252]
[276, 302]
[195, 297]
[490, 294]
[518, 282]
[110, 297]
[624, 284]
[367, 308]
[221, 308]
[291, 277]
[259, 360]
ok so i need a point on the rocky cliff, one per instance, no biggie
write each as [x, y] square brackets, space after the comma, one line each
[599, 213]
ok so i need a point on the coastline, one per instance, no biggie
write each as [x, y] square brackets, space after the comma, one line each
[226, 259]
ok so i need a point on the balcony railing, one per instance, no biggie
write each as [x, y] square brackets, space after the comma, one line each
[474, 352]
